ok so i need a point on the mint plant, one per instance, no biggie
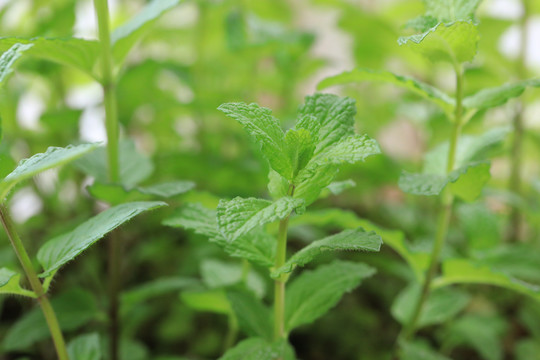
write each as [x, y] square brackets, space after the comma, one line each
[454, 170]
[303, 161]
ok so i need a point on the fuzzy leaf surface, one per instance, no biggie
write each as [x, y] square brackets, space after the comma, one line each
[85, 347]
[53, 157]
[60, 250]
[354, 239]
[428, 92]
[126, 35]
[266, 130]
[315, 292]
[334, 115]
[240, 215]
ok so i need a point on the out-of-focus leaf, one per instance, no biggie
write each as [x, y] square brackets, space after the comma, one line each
[156, 288]
[53, 157]
[428, 92]
[466, 182]
[8, 59]
[134, 167]
[313, 293]
[218, 274]
[10, 284]
[117, 194]
[126, 35]
[464, 271]
[357, 239]
[253, 316]
[442, 304]
[482, 333]
[73, 308]
[418, 351]
[79, 53]
[497, 96]
[214, 300]
[260, 349]
[60, 250]
[85, 347]
[455, 42]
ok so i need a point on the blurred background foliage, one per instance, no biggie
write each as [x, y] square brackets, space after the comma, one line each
[207, 52]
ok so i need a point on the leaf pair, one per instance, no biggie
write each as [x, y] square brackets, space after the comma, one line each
[307, 156]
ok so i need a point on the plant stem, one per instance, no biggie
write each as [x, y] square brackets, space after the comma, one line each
[516, 217]
[111, 123]
[35, 283]
[279, 283]
[445, 214]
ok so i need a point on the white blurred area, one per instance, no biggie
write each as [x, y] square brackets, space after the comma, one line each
[331, 43]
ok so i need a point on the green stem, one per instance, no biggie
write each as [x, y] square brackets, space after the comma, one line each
[516, 217]
[444, 217]
[279, 283]
[232, 333]
[46, 308]
[111, 124]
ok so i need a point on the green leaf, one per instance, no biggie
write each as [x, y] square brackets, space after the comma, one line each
[357, 239]
[239, 215]
[442, 305]
[214, 300]
[260, 349]
[428, 92]
[252, 315]
[456, 42]
[73, 309]
[85, 347]
[469, 148]
[418, 351]
[465, 271]
[466, 182]
[8, 59]
[78, 53]
[278, 186]
[134, 167]
[266, 131]
[125, 36]
[299, 147]
[218, 274]
[118, 194]
[315, 292]
[334, 115]
[481, 226]
[60, 250]
[255, 246]
[497, 96]
[483, 333]
[337, 187]
[337, 218]
[10, 284]
[451, 10]
[471, 181]
[155, 288]
[322, 168]
[53, 157]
